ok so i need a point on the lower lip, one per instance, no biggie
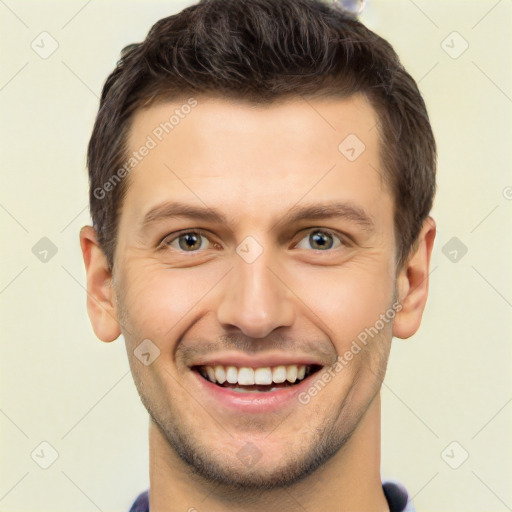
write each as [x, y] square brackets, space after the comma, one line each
[256, 401]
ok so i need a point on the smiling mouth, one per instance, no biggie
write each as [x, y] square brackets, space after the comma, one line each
[245, 379]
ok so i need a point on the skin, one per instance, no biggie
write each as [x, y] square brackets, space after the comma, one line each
[253, 164]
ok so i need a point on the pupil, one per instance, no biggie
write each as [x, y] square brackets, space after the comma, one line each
[317, 237]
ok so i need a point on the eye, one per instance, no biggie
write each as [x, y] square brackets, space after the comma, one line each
[195, 241]
[321, 239]
[189, 241]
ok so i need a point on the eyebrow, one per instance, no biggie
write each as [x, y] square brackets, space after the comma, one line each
[176, 209]
[331, 209]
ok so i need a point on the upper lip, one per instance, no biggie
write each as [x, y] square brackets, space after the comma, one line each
[241, 359]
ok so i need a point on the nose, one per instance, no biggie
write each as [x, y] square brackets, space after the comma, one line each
[255, 299]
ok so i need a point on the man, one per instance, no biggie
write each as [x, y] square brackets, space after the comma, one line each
[261, 177]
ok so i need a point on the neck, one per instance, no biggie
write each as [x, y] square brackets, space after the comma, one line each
[349, 481]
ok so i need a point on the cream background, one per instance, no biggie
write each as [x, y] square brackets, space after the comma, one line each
[59, 384]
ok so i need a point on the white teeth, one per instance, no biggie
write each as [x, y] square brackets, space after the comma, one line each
[291, 373]
[220, 374]
[246, 376]
[231, 375]
[211, 373]
[262, 376]
[279, 374]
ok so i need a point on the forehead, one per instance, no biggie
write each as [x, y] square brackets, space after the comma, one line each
[204, 120]
[238, 155]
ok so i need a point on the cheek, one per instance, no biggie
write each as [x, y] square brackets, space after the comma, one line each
[347, 300]
[161, 300]
[342, 301]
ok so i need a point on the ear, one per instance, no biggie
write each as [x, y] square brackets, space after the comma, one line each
[412, 283]
[100, 294]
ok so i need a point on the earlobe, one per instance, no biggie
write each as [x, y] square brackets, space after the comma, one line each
[412, 283]
[100, 294]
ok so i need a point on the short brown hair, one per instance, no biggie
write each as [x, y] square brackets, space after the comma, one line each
[261, 51]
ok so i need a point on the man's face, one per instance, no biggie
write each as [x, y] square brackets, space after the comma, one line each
[258, 289]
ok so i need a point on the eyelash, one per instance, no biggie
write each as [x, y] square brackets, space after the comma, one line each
[167, 241]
